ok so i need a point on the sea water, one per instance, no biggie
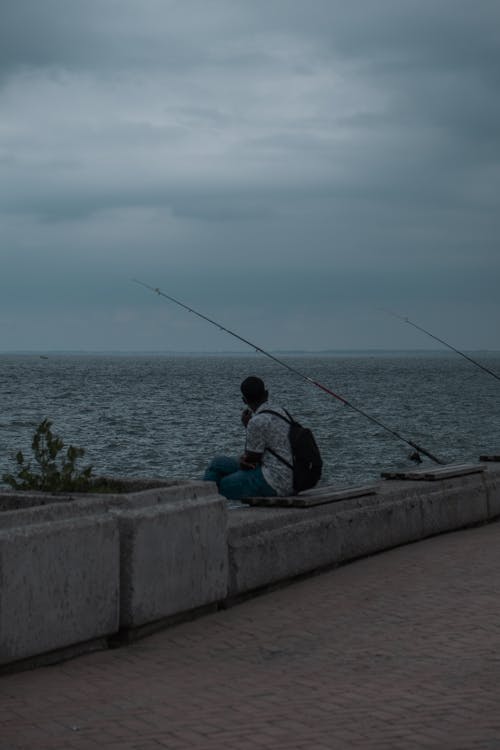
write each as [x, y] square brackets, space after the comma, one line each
[167, 415]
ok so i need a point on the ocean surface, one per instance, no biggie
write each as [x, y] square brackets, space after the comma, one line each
[167, 415]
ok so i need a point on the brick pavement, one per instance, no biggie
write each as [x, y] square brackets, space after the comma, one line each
[394, 652]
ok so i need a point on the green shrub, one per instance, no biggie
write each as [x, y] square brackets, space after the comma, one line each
[56, 473]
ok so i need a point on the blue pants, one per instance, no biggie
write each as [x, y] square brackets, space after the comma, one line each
[235, 483]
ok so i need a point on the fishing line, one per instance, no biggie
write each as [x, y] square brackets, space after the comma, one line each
[289, 367]
[462, 354]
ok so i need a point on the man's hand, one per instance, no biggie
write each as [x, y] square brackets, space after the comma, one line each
[245, 466]
[250, 460]
[246, 416]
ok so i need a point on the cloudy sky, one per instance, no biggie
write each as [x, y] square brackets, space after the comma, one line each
[286, 167]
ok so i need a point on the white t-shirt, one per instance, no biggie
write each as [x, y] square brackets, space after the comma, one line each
[269, 431]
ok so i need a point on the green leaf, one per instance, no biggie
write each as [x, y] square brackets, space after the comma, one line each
[56, 473]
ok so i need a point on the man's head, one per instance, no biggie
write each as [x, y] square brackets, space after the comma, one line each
[254, 392]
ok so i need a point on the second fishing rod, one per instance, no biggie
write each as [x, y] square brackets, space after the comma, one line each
[442, 341]
[289, 367]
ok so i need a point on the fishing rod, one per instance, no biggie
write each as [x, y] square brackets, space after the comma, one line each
[436, 338]
[289, 367]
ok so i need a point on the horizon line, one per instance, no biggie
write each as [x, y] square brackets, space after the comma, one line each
[242, 352]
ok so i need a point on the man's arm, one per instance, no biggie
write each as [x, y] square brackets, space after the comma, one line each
[256, 443]
[246, 416]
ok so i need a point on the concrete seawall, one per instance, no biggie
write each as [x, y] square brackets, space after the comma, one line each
[84, 571]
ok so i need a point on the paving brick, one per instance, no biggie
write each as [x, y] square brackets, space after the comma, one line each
[394, 652]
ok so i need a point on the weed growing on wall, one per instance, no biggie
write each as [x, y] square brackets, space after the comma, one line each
[55, 469]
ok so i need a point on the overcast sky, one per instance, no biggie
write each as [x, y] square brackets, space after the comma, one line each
[286, 167]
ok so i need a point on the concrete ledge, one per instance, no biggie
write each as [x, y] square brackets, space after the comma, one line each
[50, 658]
[368, 530]
[63, 567]
[173, 559]
[450, 509]
[78, 569]
[278, 543]
[59, 585]
[20, 500]
[23, 508]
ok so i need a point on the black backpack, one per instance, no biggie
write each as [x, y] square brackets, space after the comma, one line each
[307, 461]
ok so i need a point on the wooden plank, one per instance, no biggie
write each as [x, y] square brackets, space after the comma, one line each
[309, 499]
[429, 475]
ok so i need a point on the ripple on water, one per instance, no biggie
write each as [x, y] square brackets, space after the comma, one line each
[167, 416]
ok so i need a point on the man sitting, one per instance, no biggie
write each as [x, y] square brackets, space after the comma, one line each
[258, 472]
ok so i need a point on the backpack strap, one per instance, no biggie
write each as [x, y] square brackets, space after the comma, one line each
[288, 421]
[277, 455]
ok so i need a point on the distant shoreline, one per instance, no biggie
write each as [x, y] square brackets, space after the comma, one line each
[44, 353]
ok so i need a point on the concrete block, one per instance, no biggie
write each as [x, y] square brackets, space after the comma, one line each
[59, 585]
[267, 545]
[492, 490]
[172, 492]
[263, 551]
[277, 553]
[23, 508]
[453, 508]
[11, 500]
[364, 531]
[173, 558]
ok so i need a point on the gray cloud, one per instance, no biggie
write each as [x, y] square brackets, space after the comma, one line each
[276, 160]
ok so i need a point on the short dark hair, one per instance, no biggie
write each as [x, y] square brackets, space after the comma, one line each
[253, 388]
